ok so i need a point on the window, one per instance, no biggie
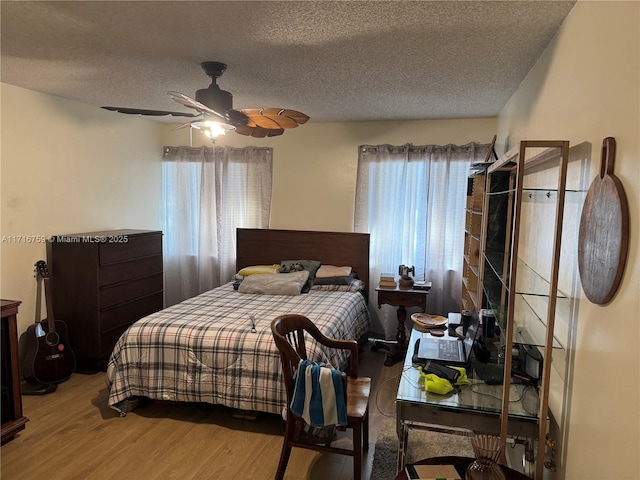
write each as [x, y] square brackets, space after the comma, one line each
[412, 202]
[208, 194]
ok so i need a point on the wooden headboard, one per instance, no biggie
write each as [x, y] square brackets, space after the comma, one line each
[265, 246]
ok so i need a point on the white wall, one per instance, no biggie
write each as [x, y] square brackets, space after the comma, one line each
[314, 178]
[585, 87]
[69, 168]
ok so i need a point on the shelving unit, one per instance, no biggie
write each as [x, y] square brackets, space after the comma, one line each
[471, 286]
[471, 291]
[522, 298]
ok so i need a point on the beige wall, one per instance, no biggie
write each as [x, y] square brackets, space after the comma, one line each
[69, 168]
[584, 88]
[315, 165]
[92, 170]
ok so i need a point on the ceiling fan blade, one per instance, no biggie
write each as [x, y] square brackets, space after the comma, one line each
[155, 113]
[182, 125]
[274, 118]
[183, 99]
[259, 132]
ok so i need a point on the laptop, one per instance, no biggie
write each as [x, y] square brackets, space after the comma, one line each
[446, 349]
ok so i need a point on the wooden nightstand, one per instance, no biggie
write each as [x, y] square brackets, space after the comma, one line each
[401, 298]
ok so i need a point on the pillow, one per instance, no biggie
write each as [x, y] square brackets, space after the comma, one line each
[258, 269]
[346, 280]
[355, 286]
[290, 284]
[311, 266]
[326, 271]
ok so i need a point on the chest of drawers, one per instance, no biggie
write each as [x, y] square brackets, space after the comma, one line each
[102, 282]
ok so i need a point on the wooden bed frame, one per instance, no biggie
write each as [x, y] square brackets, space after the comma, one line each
[266, 246]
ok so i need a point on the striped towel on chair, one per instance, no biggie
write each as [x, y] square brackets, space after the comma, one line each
[318, 396]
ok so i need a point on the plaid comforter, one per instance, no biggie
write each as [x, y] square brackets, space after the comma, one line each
[203, 350]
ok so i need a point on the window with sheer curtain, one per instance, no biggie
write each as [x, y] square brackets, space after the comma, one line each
[411, 200]
[208, 194]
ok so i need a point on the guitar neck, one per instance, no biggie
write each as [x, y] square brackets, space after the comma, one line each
[39, 300]
[47, 295]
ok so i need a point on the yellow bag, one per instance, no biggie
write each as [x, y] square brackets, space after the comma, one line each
[435, 384]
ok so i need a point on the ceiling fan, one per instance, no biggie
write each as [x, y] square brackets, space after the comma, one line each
[216, 114]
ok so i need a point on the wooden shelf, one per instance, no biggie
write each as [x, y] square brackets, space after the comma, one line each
[473, 234]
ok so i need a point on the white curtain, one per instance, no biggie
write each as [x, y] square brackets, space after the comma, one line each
[208, 194]
[412, 200]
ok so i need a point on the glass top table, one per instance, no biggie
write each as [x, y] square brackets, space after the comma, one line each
[475, 408]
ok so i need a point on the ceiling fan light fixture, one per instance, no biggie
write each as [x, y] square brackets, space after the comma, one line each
[211, 128]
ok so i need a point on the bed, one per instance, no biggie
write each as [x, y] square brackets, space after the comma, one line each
[205, 348]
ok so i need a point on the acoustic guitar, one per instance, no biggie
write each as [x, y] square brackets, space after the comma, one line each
[48, 358]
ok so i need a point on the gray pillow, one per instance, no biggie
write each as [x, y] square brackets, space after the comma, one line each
[275, 284]
[334, 280]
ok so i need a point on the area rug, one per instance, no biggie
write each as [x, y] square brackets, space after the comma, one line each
[422, 444]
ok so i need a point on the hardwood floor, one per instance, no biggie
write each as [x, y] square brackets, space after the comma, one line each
[72, 434]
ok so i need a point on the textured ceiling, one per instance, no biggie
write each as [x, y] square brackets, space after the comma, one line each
[334, 61]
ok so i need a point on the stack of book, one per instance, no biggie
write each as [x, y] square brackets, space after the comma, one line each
[387, 280]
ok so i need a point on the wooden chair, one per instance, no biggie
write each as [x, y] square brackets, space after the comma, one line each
[289, 332]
